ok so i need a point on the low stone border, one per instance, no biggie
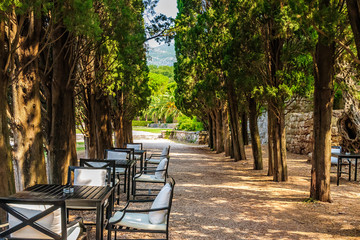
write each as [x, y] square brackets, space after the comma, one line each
[187, 136]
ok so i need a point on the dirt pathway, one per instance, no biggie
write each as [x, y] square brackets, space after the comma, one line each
[216, 198]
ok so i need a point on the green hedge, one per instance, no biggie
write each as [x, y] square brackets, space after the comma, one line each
[140, 123]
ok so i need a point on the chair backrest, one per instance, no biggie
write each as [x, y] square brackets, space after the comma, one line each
[136, 146]
[119, 154]
[29, 219]
[162, 168]
[99, 163]
[166, 151]
[84, 176]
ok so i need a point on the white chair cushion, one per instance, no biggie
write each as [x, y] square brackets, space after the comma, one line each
[161, 166]
[90, 177]
[134, 146]
[336, 150]
[148, 178]
[334, 160]
[117, 155]
[154, 161]
[51, 221]
[97, 164]
[73, 232]
[161, 201]
[136, 220]
[120, 170]
[165, 151]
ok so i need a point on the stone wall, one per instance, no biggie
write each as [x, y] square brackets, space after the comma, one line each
[299, 131]
[187, 136]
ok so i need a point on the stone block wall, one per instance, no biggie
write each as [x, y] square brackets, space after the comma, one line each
[187, 136]
[299, 131]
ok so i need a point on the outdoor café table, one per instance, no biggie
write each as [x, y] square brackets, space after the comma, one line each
[89, 196]
[347, 156]
[129, 166]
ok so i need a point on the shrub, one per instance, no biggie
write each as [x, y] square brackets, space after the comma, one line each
[190, 124]
[140, 123]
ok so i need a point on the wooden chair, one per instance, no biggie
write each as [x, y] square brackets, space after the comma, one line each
[151, 220]
[151, 177]
[29, 219]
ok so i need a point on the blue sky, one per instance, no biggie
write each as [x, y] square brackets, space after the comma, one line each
[167, 7]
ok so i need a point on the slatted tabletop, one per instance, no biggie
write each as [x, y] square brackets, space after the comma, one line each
[83, 196]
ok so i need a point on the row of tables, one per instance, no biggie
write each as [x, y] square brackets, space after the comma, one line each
[100, 197]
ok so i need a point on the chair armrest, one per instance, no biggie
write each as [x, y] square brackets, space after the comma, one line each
[74, 222]
[4, 225]
[145, 210]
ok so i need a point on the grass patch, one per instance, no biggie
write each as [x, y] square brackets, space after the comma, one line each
[80, 146]
[151, 130]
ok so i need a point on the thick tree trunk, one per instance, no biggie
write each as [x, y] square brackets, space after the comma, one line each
[353, 7]
[323, 104]
[63, 137]
[7, 183]
[255, 136]
[214, 133]
[279, 147]
[103, 126]
[28, 151]
[244, 127]
[119, 130]
[236, 133]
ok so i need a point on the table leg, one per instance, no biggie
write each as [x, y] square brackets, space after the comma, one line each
[338, 172]
[99, 221]
[356, 161]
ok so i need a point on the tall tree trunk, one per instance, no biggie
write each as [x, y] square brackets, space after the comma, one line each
[226, 132]
[62, 149]
[119, 130]
[270, 142]
[353, 7]
[280, 165]
[214, 132]
[219, 131]
[244, 127]
[255, 136]
[103, 126]
[323, 104]
[211, 141]
[236, 133]
[128, 130]
[7, 183]
[28, 151]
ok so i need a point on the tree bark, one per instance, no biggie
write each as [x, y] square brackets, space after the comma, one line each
[353, 7]
[219, 131]
[255, 136]
[280, 164]
[270, 142]
[211, 137]
[236, 133]
[323, 105]
[28, 151]
[7, 183]
[244, 127]
[62, 149]
[226, 132]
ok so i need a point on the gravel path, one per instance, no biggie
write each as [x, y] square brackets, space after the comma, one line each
[216, 198]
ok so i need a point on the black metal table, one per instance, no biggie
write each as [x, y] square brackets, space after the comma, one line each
[87, 196]
[346, 156]
[129, 166]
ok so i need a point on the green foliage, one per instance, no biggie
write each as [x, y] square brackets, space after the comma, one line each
[140, 123]
[189, 124]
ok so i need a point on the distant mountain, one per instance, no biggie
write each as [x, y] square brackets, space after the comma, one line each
[162, 55]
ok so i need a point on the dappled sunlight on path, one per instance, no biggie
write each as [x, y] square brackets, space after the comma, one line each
[216, 198]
